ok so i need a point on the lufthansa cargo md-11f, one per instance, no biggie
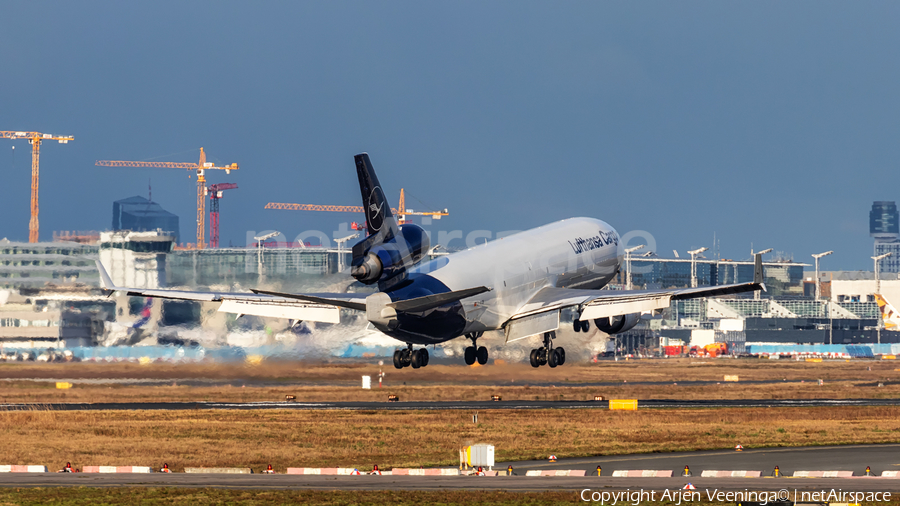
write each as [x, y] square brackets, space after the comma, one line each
[526, 284]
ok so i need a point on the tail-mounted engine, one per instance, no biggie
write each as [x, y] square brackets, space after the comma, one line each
[387, 259]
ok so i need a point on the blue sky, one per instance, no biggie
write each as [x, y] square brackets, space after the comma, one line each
[772, 123]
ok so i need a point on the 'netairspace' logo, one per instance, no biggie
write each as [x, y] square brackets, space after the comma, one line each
[679, 496]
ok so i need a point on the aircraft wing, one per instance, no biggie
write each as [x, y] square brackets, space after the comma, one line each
[541, 313]
[319, 307]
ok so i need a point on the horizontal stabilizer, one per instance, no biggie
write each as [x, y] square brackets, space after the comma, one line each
[432, 301]
[359, 306]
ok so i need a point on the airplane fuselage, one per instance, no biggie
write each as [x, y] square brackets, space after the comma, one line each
[574, 253]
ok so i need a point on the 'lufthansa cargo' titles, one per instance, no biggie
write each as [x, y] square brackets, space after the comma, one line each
[580, 245]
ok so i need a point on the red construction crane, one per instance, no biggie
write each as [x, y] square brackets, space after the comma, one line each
[35, 139]
[200, 167]
[215, 193]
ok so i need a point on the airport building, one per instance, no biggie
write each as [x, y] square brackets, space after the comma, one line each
[884, 227]
[141, 215]
[782, 277]
[25, 264]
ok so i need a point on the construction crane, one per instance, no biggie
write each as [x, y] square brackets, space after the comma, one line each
[401, 212]
[201, 168]
[215, 193]
[35, 139]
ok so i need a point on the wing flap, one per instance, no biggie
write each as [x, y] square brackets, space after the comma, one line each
[602, 308]
[288, 310]
[535, 324]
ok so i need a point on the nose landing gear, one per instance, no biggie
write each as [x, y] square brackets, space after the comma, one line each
[475, 352]
[409, 356]
[547, 354]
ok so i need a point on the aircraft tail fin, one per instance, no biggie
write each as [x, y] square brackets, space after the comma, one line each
[889, 314]
[375, 205]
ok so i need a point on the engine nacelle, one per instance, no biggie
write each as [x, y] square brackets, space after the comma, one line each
[616, 324]
[386, 260]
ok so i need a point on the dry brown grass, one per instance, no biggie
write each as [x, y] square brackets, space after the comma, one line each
[605, 371]
[316, 382]
[41, 392]
[413, 438]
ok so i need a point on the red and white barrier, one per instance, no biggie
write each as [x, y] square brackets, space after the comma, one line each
[823, 474]
[890, 474]
[23, 469]
[344, 471]
[643, 473]
[401, 471]
[116, 469]
[731, 474]
[557, 472]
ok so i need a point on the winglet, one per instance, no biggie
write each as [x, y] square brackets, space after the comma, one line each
[105, 280]
[758, 274]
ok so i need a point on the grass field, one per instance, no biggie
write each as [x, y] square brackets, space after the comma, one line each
[413, 438]
[676, 369]
[340, 382]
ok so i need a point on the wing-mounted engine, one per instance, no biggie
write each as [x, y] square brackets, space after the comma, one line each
[385, 260]
[616, 324]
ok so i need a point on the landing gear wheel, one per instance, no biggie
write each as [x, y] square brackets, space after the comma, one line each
[416, 360]
[542, 356]
[577, 325]
[585, 325]
[482, 355]
[535, 361]
[470, 355]
[562, 356]
[553, 360]
[423, 357]
[398, 359]
[406, 357]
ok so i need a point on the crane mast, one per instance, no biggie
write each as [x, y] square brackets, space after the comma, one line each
[216, 191]
[201, 167]
[35, 139]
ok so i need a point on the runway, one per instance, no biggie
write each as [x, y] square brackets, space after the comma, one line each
[880, 457]
[854, 458]
[438, 483]
[446, 405]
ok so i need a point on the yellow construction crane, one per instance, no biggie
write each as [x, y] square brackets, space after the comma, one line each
[35, 139]
[401, 212]
[200, 167]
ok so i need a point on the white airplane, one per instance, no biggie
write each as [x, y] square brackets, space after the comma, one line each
[530, 283]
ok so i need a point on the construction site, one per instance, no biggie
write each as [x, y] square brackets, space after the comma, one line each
[51, 296]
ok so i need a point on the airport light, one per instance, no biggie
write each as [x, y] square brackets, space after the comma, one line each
[259, 243]
[817, 256]
[878, 259]
[340, 242]
[694, 254]
[628, 252]
[763, 252]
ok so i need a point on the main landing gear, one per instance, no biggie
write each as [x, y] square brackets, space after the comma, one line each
[409, 356]
[547, 354]
[475, 352]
